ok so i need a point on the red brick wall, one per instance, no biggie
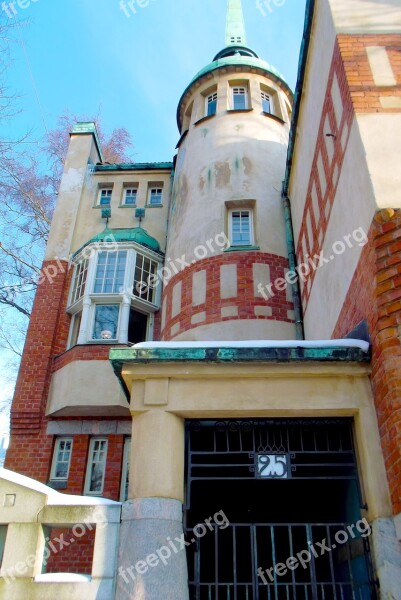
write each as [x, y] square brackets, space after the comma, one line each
[71, 549]
[375, 295]
[364, 92]
[245, 300]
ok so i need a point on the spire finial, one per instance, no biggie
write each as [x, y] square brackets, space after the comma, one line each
[235, 28]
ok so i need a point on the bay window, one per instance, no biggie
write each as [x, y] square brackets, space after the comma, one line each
[114, 294]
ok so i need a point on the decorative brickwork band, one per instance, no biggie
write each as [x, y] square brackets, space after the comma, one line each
[226, 287]
[375, 295]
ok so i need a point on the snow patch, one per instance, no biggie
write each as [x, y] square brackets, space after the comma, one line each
[62, 578]
[343, 343]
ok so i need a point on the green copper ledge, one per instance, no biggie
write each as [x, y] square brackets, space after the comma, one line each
[135, 234]
[157, 166]
[121, 356]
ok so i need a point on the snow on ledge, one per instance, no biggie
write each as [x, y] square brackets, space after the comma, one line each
[343, 343]
[62, 578]
[54, 498]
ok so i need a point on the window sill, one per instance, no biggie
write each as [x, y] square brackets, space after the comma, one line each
[128, 206]
[182, 138]
[241, 248]
[267, 114]
[102, 206]
[239, 110]
[204, 119]
[153, 205]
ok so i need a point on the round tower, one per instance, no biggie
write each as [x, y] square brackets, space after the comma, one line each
[227, 252]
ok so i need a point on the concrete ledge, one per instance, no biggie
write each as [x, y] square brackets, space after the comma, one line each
[152, 508]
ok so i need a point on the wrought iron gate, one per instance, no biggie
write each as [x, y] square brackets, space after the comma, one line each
[274, 463]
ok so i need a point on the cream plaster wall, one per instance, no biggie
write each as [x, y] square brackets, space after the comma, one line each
[239, 329]
[320, 56]
[86, 388]
[366, 16]
[353, 208]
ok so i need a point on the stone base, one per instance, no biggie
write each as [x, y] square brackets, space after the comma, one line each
[152, 565]
[387, 557]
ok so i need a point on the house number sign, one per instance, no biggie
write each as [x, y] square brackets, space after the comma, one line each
[273, 466]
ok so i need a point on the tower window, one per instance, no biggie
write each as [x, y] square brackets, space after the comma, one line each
[110, 272]
[241, 227]
[211, 104]
[61, 459]
[239, 98]
[267, 103]
[155, 196]
[130, 195]
[96, 466]
[104, 198]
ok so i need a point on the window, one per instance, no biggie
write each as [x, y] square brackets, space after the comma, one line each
[105, 322]
[125, 471]
[61, 459]
[239, 98]
[80, 276]
[155, 195]
[130, 195]
[266, 102]
[145, 281]
[3, 535]
[110, 272]
[211, 104]
[96, 466]
[105, 196]
[74, 329]
[121, 293]
[241, 228]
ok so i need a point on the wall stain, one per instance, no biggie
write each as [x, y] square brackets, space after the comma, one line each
[247, 166]
[222, 173]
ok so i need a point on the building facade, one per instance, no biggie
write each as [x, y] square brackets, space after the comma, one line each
[208, 400]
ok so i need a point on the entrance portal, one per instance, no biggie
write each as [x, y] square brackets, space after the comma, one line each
[273, 511]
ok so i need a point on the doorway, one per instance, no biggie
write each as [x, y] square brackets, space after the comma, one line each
[293, 525]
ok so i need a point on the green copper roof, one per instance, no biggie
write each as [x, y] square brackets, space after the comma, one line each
[136, 234]
[156, 166]
[235, 60]
[235, 27]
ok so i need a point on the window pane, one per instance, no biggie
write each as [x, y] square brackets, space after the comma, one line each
[110, 272]
[239, 98]
[155, 196]
[266, 102]
[211, 103]
[78, 286]
[105, 197]
[62, 457]
[241, 228]
[146, 280]
[130, 196]
[106, 322]
[97, 465]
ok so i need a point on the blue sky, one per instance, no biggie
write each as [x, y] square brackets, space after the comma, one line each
[86, 55]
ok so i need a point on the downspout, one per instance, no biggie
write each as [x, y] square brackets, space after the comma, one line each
[292, 258]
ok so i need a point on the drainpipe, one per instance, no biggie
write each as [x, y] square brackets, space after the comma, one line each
[292, 259]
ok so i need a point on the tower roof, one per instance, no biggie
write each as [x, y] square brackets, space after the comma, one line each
[235, 27]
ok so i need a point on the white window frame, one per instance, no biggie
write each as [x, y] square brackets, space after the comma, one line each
[130, 189]
[109, 190]
[240, 90]
[118, 252]
[55, 462]
[125, 296]
[209, 99]
[89, 464]
[251, 227]
[159, 192]
[80, 269]
[264, 94]
[125, 469]
[94, 306]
